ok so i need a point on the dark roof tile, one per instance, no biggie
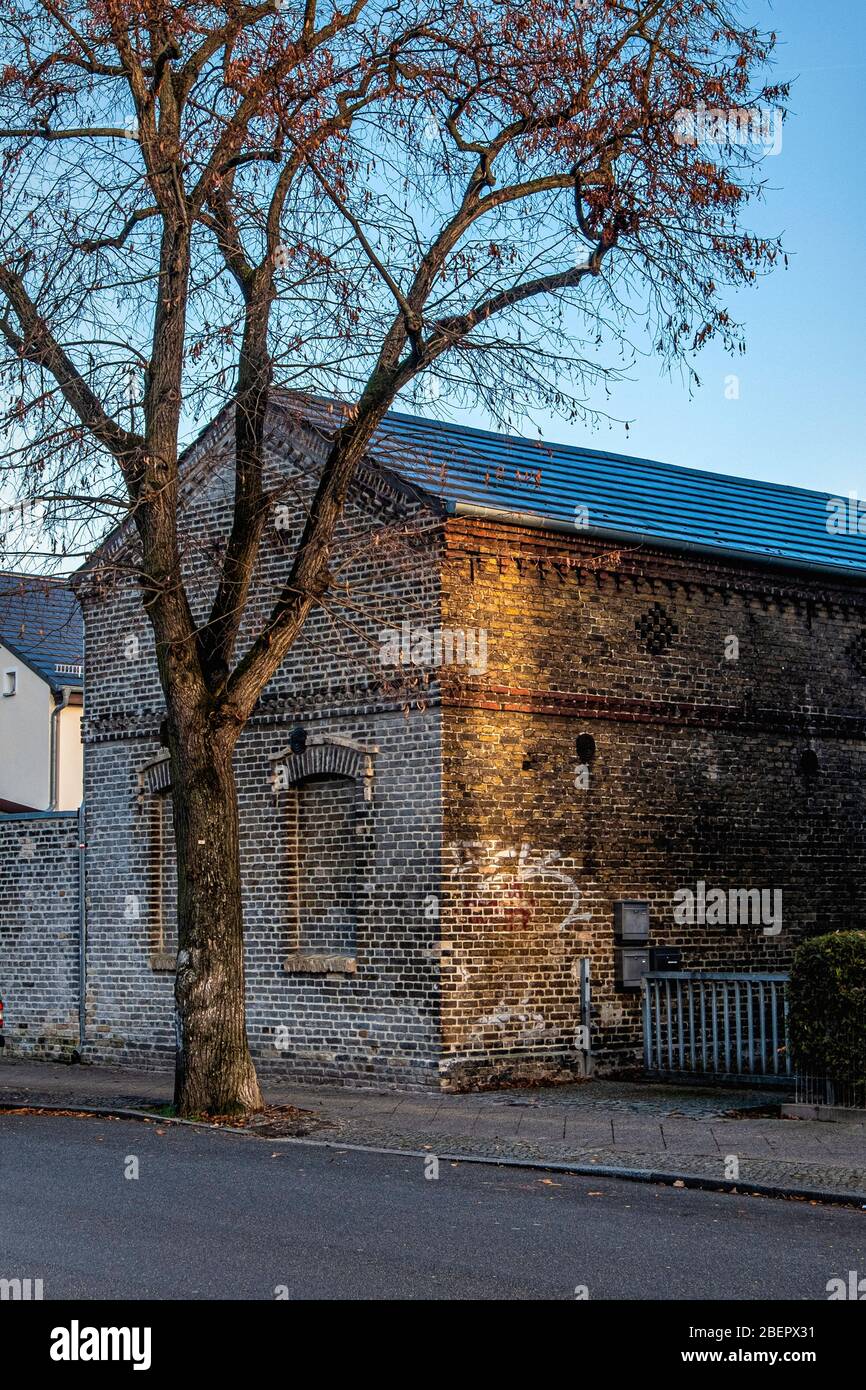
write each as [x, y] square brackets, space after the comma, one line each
[40, 621]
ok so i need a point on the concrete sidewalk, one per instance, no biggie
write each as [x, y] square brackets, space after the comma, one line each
[683, 1132]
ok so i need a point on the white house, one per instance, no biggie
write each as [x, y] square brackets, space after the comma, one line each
[41, 695]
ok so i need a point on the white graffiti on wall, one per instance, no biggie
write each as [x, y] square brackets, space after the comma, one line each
[503, 870]
[530, 1027]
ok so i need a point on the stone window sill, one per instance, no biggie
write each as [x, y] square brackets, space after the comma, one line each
[308, 963]
[163, 961]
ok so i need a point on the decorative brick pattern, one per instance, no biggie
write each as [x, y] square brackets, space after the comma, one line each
[656, 630]
[857, 653]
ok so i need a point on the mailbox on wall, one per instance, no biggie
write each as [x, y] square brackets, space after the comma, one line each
[631, 964]
[631, 921]
[665, 958]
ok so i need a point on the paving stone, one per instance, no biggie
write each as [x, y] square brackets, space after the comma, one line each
[535, 1127]
[501, 1126]
[589, 1129]
[631, 1133]
[688, 1137]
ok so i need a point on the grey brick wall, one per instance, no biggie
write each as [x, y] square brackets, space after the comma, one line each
[39, 932]
[376, 1022]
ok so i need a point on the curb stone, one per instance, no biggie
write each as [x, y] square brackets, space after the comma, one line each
[644, 1175]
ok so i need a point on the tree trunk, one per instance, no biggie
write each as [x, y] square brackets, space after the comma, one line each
[214, 1070]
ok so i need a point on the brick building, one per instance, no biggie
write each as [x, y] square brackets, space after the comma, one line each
[551, 680]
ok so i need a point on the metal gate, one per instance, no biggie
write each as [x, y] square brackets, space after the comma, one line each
[720, 1024]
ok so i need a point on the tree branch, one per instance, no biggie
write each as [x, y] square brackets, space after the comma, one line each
[39, 346]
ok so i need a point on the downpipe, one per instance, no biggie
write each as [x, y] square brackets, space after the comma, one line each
[82, 934]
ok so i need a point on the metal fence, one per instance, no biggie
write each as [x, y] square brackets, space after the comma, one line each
[716, 1024]
[847, 1087]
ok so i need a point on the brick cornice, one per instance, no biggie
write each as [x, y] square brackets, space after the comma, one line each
[593, 558]
[115, 728]
[686, 713]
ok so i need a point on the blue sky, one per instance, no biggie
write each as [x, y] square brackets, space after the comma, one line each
[802, 396]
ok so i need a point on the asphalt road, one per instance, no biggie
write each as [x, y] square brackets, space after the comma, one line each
[217, 1216]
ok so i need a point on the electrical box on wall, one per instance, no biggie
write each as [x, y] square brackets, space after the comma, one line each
[631, 920]
[631, 963]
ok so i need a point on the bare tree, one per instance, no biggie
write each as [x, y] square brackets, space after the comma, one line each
[199, 201]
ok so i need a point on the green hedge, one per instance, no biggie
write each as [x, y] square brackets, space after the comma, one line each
[827, 1008]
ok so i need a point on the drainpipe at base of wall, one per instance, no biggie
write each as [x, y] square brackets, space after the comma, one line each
[82, 935]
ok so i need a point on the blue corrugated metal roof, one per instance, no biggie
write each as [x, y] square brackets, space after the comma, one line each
[634, 497]
[40, 621]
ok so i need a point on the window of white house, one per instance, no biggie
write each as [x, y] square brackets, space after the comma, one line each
[10, 682]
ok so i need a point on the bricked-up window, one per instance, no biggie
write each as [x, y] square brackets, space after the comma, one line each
[167, 879]
[323, 785]
[323, 836]
[161, 887]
